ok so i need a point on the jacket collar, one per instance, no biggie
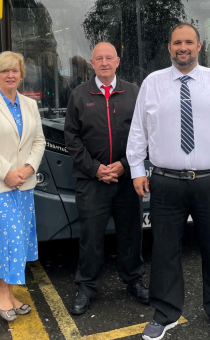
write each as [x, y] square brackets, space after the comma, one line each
[6, 112]
[95, 90]
[119, 87]
[7, 101]
[25, 117]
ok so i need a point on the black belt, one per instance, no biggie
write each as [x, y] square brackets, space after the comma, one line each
[181, 174]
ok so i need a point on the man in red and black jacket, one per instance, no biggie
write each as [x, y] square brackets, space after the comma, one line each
[97, 124]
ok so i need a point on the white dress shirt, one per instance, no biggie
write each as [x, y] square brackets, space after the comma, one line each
[99, 84]
[157, 122]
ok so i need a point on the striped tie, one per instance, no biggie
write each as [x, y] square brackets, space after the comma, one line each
[187, 133]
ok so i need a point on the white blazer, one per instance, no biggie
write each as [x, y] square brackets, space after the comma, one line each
[16, 152]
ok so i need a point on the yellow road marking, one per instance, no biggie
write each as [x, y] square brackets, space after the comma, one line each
[65, 322]
[30, 327]
[122, 332]
[27, 327]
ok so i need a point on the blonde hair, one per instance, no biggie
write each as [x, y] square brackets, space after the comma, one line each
[10, 59]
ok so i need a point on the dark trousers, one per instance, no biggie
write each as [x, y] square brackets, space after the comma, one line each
[96, 202]
[172, 200]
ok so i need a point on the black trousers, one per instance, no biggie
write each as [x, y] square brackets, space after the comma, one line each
[96, 202]
[172, 200]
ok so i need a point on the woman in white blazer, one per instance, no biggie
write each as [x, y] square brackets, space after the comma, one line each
[22, 146]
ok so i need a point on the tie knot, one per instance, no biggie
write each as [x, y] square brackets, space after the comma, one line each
[106, 88]
[184, 79]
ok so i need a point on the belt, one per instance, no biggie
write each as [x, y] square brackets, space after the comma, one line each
[181, 174]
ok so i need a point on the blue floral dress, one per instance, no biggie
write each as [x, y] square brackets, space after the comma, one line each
[18, 240]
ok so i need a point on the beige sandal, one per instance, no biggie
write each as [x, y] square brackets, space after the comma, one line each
[24, 309]
[9, 315]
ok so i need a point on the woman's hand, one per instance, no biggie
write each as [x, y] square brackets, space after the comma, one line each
[14, 179]
[26, 171]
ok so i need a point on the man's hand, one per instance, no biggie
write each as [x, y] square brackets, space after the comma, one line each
[106, 175]
[14, 179]
[99, 172]
[139, 184]
[112, 172]
[117, 168]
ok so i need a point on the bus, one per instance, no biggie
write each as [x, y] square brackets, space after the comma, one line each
[56, 210]
[56, 39]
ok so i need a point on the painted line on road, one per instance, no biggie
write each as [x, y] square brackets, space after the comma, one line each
[29, 326]
[65, 322]
[123, 332]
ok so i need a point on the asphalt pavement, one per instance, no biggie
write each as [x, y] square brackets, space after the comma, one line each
[113, 314]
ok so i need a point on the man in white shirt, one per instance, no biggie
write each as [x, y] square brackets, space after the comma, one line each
[97, 124]
[172, 119]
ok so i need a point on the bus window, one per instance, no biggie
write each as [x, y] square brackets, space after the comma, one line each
[56, 39]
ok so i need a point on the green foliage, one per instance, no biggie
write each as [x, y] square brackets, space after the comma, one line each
[137, 28]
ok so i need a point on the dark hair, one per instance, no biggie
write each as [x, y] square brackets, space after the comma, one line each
[180, 25]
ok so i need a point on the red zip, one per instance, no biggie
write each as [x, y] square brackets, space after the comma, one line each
[109, 123]
[110, 130]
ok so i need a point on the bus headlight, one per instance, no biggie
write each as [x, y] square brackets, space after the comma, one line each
[40, 177]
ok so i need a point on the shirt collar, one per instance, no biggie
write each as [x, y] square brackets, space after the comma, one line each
[8, 102]
[99, 83]
[176, 74]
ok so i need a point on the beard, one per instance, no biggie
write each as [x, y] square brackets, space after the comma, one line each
[184, 64]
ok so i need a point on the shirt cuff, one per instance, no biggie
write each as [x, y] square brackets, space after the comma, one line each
[137, 171]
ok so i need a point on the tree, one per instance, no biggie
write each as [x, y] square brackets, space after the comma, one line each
[138, 29]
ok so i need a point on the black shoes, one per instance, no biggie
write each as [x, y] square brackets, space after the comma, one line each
[140, 291]
[80, 304]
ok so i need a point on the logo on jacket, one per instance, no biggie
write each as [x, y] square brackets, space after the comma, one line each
[90, 104]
